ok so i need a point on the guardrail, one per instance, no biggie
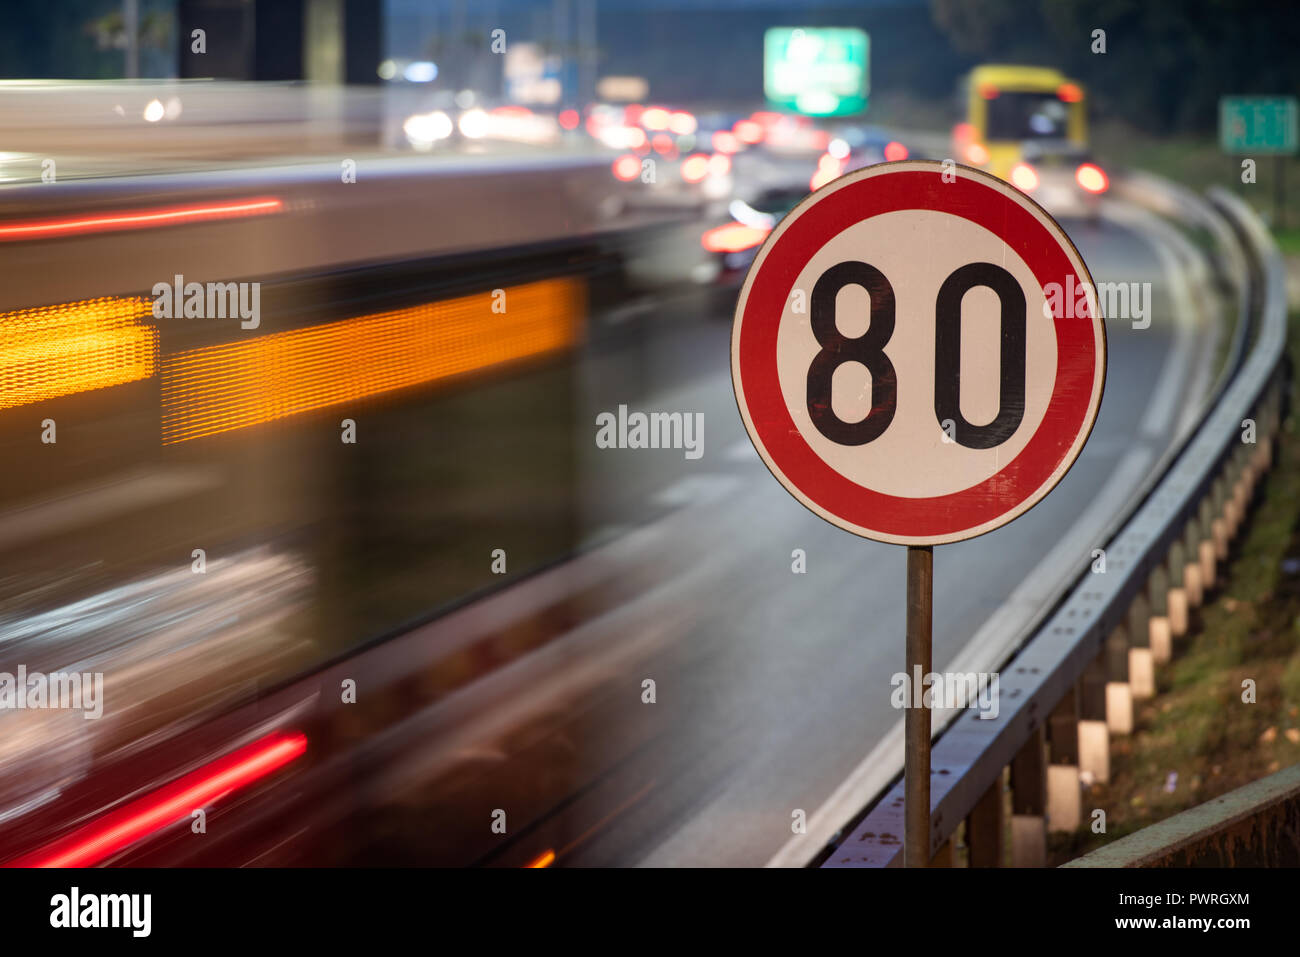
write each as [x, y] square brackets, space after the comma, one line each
[1257, 825]
[1071, 686]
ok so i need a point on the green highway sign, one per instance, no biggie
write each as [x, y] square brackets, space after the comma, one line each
[1257, 124]
[818, 71]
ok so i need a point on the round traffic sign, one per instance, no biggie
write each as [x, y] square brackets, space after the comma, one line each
[917, 353]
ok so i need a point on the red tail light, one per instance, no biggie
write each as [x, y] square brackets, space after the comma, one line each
[748, 131]
[1092, 178]
[1024, 177]
[1069, 93]
[627, 168]
[695, 167]
[726, 142]
[105, 836]
[655, 118]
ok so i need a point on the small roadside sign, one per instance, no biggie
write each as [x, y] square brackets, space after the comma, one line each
[1258, 124]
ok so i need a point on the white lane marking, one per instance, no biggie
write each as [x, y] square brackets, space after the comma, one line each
[742, 451]
[986, 650]
[1185, 269]
[695, 490]
[1162, 407]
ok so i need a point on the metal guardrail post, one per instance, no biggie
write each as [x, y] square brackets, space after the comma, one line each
[986, 833]
[1219, 523]
[1063, 809]
[1177, 594]
[1094, 733]
[944, 856]
[1161, 637]
[1192, 583]
[1029, 803]
[1231, 476]
[1119, 696]
[1206, 553]
[1141, 663]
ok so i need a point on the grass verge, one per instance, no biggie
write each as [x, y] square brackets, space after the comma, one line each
[1198, 738]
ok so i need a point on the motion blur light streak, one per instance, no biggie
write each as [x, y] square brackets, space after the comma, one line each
[545, 859]
[58, 350]
[220, 388]
[138, 219]
[732, 238]
[173, 802]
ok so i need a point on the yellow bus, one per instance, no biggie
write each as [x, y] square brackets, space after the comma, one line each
[1020, 119]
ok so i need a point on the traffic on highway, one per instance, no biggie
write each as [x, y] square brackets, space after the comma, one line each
[682, 434]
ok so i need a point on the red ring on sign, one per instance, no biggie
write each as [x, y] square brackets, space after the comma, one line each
[1072, 391]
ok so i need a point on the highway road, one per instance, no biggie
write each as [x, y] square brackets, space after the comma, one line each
[771, 688]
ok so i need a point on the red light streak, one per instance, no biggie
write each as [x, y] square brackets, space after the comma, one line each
[137, 219]
[147, 815]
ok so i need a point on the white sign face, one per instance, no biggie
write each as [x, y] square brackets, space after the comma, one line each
[909, 356]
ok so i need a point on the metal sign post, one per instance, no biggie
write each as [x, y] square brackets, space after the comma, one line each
[897, 407]
[916, 721]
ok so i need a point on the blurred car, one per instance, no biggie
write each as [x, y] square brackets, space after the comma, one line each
[734, 242]
[1061, 177]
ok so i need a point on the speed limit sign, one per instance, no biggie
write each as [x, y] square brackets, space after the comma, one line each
[902, 359]
[918, 359]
